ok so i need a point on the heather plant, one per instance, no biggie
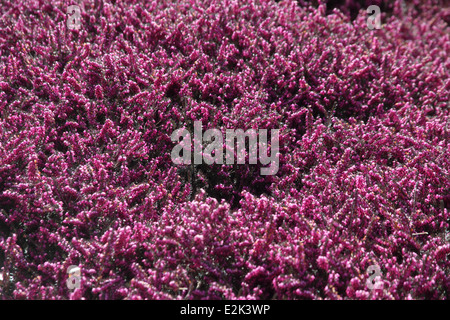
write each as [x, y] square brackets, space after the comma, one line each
[86, 175]
[214, 151]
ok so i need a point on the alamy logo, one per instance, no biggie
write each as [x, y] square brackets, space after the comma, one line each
[73, 281]
[375, 274]
[74, 19]
[213, 153]
[374, 20]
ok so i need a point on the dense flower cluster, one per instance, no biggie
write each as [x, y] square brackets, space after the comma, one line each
[86, 176]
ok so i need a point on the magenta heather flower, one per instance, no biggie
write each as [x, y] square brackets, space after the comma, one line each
[87, 180]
